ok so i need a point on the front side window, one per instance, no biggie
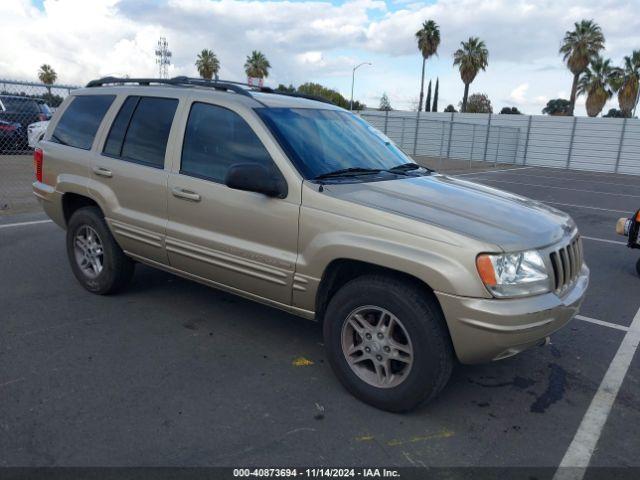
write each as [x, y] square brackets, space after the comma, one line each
[321, 141]
[80, 121]
[140, 132]
[217, 138]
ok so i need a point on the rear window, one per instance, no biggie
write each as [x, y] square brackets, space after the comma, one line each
[80, 121]
[20, 105]
[141, 129]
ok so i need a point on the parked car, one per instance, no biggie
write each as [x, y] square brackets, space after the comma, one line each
[11, 137]
[23, 110]
[36, 131]
[630, 228]
[303, 206]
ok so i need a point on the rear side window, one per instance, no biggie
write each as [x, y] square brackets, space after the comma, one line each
[113, 146]
[217, 138]
[80, 121]
[141, 129]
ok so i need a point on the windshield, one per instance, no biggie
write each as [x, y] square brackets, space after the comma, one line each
[323, 141]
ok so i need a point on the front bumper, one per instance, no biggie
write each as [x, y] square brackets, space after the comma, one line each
[491, 329]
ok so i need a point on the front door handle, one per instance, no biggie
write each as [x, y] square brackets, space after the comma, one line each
[185, 194]
[103, 172]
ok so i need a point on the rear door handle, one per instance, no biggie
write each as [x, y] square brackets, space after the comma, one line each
[185, 194]
[103, 172]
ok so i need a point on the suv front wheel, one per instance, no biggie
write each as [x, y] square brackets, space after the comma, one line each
[387, 342]
[96, 259]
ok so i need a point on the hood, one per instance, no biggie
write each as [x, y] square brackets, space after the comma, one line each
[509, 221]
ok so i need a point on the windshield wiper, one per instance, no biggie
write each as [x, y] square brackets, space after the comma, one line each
[409, 168]
[405, 167]
[348, 172]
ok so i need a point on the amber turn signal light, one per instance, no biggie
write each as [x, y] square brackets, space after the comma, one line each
[486, 271]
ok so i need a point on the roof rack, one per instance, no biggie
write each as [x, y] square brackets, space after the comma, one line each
[294, 94]
[237, 87]
[200, 82]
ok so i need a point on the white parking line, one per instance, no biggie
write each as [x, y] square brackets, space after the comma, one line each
[22, 224]
[489, 171]
[602, 323]
[599, 192]
[577, 458]
[586, 173]
[615, 242]
[591, 180]
[586, 206]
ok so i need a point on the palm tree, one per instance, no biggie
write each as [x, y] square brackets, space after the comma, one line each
[257, 65]
[596, 83]
[628, 82]
[578, 48]
[471, 58]
[207, 64]
[47, 75]
[428, 41]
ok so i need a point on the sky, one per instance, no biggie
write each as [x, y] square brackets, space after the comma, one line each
[318, 41]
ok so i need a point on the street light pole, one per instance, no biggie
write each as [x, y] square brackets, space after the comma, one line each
[353, 78]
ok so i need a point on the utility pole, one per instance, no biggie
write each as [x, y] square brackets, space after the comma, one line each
[353, 78]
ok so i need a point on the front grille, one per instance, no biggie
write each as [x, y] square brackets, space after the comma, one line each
[567, 263]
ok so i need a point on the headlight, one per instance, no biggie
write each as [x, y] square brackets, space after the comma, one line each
[514, 274]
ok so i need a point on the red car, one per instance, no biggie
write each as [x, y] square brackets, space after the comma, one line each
[11, 137]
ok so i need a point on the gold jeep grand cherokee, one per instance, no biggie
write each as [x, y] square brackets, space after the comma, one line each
[303, 206]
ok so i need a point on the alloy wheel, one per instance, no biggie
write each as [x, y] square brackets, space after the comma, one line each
[88, 250]
[377, 346]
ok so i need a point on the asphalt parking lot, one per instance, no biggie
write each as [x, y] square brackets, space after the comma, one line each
[172, 373]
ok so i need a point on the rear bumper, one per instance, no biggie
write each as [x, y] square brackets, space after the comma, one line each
[490, 329]
[51, 201]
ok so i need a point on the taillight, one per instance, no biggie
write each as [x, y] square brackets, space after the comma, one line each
[38, 158]
[8, 128]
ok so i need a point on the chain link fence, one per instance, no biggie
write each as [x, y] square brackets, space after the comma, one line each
[25, 110]
[439, 139]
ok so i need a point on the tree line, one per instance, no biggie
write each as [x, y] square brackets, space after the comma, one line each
[593, 75]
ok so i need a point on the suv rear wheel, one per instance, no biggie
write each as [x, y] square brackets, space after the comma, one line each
[96, 259]
[387, 342]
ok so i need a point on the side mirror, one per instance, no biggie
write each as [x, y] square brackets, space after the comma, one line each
[253, 177]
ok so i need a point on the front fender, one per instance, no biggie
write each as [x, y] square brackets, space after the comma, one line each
[444, 267]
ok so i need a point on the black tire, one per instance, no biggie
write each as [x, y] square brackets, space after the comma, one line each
[117, 268]
[422, 318]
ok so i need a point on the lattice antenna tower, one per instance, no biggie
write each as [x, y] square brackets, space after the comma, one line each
[163, 57]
